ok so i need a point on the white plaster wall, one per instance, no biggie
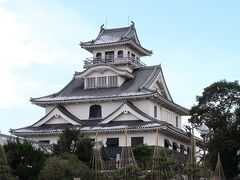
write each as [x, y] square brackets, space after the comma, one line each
[53, 139]
[149, 138]
[124, 48]
[48, 108]
[170, 117]
[82, 110]
[143, 105]
[126, 117]
[56, 120]
[102, 73]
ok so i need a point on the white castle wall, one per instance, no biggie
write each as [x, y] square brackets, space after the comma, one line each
[81, 110]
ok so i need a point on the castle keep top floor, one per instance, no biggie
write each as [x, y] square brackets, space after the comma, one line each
[120, 47]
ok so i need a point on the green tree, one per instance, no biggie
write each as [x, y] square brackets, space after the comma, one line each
[142, 152]
[25, 160]
[73, 141]
[5, 171]
[219, 108]
[64, 167]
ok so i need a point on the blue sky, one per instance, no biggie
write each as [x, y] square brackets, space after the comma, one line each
[196, 42]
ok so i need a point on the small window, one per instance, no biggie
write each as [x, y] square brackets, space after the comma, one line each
[129, 54]
[136, 141]
[109, 55]
[99, 55]
[112, 81]
[92, 140]
[176, 121]
[90, 83]
[95, 111]
[101, 81]
[45, 141]
[112, 142]
[175, 146]
[133, 56]
[167, 143]
[182, 148]
[120, 54]
[155, 111]
[188, 150]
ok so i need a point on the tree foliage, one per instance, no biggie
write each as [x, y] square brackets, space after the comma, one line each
[73, 141]
[64, 167]
[25, 160]
[5, 171]
[142, 152]
[219, 109]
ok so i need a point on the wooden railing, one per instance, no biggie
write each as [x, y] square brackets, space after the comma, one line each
[113, 60]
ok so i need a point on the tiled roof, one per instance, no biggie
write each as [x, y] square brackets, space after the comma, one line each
[112, 35]
[116, 36]
[131, 87]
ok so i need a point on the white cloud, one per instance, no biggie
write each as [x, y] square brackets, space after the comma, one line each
[19, 48]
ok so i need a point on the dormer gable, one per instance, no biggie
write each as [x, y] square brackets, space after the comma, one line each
[103, 76]
[58, 115]
[127, 112]
[156, 82]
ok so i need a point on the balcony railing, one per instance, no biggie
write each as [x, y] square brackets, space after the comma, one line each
[113, 60]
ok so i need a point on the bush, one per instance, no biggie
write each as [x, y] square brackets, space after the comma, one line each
[64, 167]
[25, 160]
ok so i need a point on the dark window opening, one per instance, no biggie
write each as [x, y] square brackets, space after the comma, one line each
[133, 56]
[175, 146]
[99, 55]
[188, 150]
[112, 142]
[167, 143]
[182, 148]
[95, 111]
[176, 121]
[109, 55]
[136, 141]
[45, 141]
[155, 111]
[120, 54]
[129, 54]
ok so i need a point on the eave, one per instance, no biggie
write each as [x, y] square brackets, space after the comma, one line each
[77, 99]
[143, 51]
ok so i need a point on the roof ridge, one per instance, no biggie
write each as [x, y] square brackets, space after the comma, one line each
[111, 29]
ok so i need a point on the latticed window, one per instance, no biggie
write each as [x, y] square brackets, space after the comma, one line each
[101, 81]
[90, 83]
[112, 81]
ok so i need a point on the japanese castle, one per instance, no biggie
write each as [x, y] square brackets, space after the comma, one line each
[115, 92]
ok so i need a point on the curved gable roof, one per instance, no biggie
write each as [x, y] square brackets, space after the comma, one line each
[103, 67]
